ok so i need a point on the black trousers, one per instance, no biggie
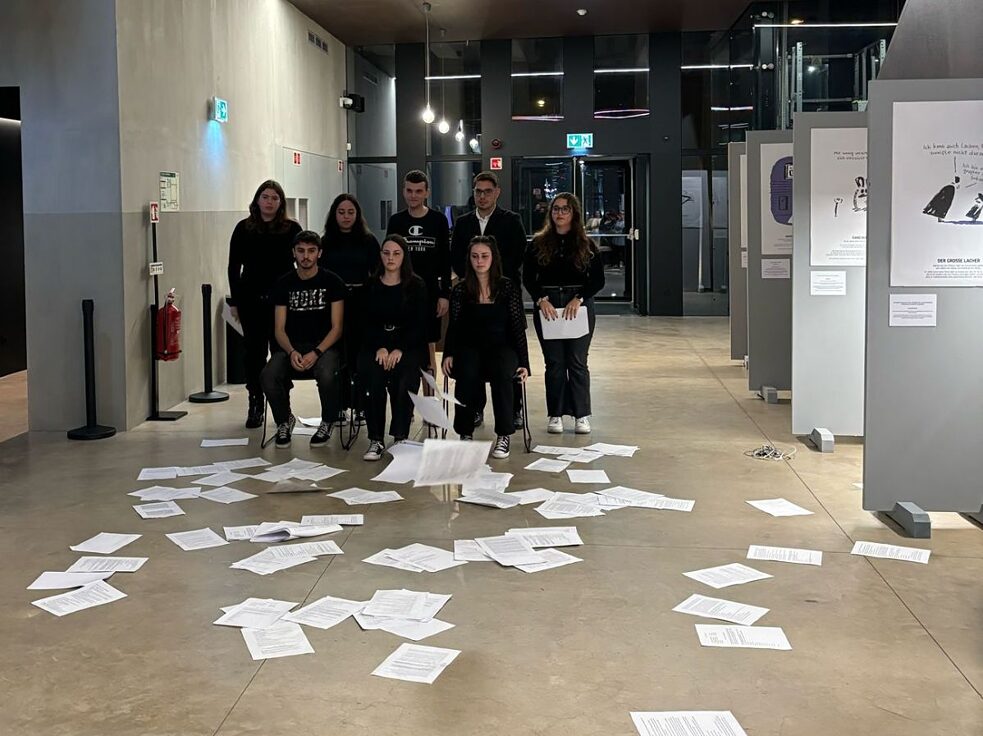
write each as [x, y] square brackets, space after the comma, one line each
[351, 344]
[567, 375]
[277, 381]
[256, 316]
[474, 366]
[398, 383]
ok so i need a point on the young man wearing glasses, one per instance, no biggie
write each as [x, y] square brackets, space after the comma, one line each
[489, 219]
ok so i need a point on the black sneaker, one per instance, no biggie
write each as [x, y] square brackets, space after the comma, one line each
[254, 417]
[321, 437]
[479, 419]
[501, 449]
[466, 437]
[284, 431]
[518, 421]
[376, 448]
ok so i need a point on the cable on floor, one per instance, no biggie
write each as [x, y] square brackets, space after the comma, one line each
[769, 452]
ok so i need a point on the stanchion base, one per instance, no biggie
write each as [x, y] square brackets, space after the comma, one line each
[93, 432]
[208, 397]
[166, 416]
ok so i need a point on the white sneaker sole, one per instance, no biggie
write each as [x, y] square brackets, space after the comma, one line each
[550, 429]
[500, 455]
[581, 430]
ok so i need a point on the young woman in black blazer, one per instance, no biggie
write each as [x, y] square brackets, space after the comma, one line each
[486, 340]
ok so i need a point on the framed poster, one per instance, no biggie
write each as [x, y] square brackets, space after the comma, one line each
[776, 199]
[838, 197]
[937, 194]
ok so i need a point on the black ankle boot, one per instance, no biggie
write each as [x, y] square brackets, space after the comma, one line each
[254, 418]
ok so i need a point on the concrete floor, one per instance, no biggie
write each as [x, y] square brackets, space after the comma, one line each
[879, 647]
[13, 405]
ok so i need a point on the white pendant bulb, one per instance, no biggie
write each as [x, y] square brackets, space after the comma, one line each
[428, 115]
[443, 126]
[474, 144]
[459, 135]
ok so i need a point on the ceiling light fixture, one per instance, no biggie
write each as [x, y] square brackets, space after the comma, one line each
[796, 22]
[427, 114]
[474, 144]
[459, 135]
[581, 12]
[443, 126]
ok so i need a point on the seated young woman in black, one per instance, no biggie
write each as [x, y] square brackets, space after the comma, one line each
[394, 346]
[486, 341]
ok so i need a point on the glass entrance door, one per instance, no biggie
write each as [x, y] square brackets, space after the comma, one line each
[604, 186]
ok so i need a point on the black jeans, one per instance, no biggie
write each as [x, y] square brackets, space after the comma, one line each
[472, 367]
[256, 316]
[399, 382]
[351, 343]
[277, 380]
[567, 375]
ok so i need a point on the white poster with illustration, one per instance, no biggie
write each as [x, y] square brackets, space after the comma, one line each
[776, 199]
[937, 194]
[838, 197]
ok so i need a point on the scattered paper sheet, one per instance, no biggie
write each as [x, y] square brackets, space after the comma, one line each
[633, 496]
[742, 637]
[166, 493]
[609, 449]
[316, 474]
[587, 476]
[227, 495]
[168, 473]
[230, 320]
[237, 442]
[265, 565]
[706, 607]
[486, 481]
[548, 536]
[296, 486]
[303, 549]
[673, 504]
[532, 495]
[495, 499]
[198, 470]
[104, 543]
[249, 462]
[405, 463]
[158, 510]
[240, 533]
[325, 612]
[553, 450]
[779, 507]
[510, 550]
[415, 630]
[255, 613]
[891, 552]
[357, 496]
[583, 456]
[384, 558]
[553, 558]
[727, 575]
[416, 663]
[468, 550]
[408, 604]
[431, 559]
[432, 411]
[310, 421]
[432, 383]
[324, 519]
[272, 532]
[562, 507]
[60, 580]
[548, 466]
[687, 723]
[107, 564]
[284, 639]
[785, 554]
[450, 461]
[566, 329]
[94, 594]
[196, 539]
[223, 478]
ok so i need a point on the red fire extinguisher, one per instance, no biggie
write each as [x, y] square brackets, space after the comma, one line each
[168, 329]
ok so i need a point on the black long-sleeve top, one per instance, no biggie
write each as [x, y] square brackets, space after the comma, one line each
[428, 241]
[258, 256]
[562, 271]
[395, 319]
[510, 237]
[502, 322]
[353, 256]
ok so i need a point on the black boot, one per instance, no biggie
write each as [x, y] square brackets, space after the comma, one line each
[257, 405]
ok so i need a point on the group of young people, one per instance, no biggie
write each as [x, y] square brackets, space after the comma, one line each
[342, 309]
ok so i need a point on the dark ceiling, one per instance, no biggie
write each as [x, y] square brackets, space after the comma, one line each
[367, 22]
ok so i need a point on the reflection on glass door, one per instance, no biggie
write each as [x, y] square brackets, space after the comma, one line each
[604, 186]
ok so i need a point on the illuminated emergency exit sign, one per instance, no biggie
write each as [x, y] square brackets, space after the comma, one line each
[580, 140]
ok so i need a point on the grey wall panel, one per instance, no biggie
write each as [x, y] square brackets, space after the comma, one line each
[737, 285]
[769, 301]
[827, 331]
[936, 39]
[924, 403]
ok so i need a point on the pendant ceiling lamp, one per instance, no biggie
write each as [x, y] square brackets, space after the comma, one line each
[427, 114]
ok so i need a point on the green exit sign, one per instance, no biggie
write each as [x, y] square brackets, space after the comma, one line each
[580, 140]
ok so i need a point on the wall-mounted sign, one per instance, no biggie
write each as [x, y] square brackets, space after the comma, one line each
[154, 212]
[496, 163]
[170, 191]
[580, 140]
[220, 110]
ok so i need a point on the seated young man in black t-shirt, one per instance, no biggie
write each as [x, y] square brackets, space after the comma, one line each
[308, 323]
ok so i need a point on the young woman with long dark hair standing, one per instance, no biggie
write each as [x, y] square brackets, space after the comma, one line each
[260, 252]
[562, 272]
[397, 313]
[486, 340]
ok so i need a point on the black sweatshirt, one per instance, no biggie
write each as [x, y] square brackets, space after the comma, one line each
[428, 238]
[562, 271]
[352, 256]
[395, 318]
[485, 326]
[258, 256]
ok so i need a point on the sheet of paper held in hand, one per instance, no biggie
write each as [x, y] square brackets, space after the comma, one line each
[566, 329]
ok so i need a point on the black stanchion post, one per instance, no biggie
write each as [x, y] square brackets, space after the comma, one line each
[92, 429]
[208, 396]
